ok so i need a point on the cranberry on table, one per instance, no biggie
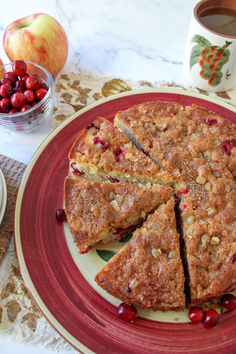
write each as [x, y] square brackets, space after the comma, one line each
[19, 68]
[61, 215]
[18, 100]
[5, 105]
[32, 83]
[40, 93]
[211, 318]
[127, 312]
[9, 75]
[196, 314]
[29, 95]
[6, 90]
[229, 301]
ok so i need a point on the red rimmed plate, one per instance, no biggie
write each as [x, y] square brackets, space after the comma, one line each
[65, 297]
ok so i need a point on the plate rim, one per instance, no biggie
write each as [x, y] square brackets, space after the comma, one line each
[4, 196]
[18, 247]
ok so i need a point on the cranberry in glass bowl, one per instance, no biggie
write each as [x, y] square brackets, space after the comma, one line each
[25, 110]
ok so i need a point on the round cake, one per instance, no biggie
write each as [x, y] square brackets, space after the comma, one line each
[182, 160]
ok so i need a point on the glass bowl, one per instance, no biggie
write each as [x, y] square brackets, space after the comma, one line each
[31, 118]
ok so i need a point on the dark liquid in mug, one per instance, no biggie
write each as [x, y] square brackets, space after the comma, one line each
[220, 20]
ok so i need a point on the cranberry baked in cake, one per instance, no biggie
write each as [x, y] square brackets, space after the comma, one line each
[98, 211]
[148, 271]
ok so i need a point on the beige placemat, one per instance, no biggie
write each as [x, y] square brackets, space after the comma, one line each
[19, 318]
[75, 91]
[13, 171]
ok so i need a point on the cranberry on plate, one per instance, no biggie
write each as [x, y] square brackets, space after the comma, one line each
[229, 301]
[127, 312]
[196, 314]
[211, 318]
[61, 215]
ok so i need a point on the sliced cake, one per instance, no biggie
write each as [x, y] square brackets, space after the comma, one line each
[103, 153]
[99, 211]
[148, 271]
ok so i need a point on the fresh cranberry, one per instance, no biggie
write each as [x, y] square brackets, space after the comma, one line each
[233, 259]
[113, 179]
[29, 95]
[97, 140]
[61, 215]
[18, 100]
[24, 77]
[5, 105]
[211, 318]
[228, 145]
[211, 121]
[181, 191]
[119, 153]
[196, 314]
[32, 83]
[75, 170]
[25, 107]
[86, 251]
[6, 90]
[229, 301]
[6, 81]
[127, 312]
[13, 110]
[40, 93]
[19, 86]
[19, 68]
[9, 75]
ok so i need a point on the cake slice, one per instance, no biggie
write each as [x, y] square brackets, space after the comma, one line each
[99, 211]
[215, 138]
[208, 214]
[103, 153]
[161, 129]
[148, 271]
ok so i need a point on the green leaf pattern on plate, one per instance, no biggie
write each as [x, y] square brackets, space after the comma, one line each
[106, 255]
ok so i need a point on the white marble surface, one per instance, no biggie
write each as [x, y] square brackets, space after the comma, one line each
[133, 39]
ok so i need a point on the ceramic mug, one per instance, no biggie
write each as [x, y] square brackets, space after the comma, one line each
[210, 57]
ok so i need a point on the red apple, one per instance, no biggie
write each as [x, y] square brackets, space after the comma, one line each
[38, 38]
